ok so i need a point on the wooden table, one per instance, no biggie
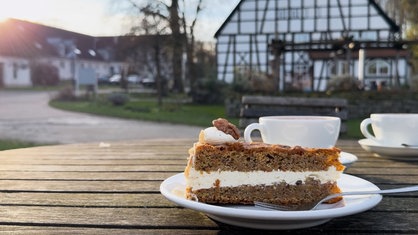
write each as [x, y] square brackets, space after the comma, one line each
[113, 188]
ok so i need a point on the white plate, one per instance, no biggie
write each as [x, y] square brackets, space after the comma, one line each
[392, 152]
[347, 159]
[258, 218]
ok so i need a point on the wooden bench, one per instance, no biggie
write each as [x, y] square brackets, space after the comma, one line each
[253, 107]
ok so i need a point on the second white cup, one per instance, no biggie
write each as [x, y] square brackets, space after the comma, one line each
[305, 131]
[391, 129]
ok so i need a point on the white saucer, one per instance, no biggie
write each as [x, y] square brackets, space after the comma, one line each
[259, 218]
[392, 152]
[347, 159]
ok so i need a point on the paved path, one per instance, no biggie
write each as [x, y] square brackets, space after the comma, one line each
[25, 115]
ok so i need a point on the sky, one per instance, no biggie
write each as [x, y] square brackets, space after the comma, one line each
[104, 17]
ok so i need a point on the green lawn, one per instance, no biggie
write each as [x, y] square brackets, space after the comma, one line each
[171, 112]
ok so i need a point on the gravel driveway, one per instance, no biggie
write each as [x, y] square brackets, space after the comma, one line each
[26, 115]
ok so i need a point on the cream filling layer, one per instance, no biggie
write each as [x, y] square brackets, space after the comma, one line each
[201, 180]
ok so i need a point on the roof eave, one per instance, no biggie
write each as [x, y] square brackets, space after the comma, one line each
[227, 19]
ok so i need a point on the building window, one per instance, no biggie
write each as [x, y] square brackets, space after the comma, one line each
[62, 64]
[332, 69]
[377, 68]
[338, 68]
[15, 69]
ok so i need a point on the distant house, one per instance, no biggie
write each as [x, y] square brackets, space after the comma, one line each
[302, 44]
[23, 43]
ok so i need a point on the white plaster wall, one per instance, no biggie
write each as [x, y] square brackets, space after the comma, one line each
[18, 78]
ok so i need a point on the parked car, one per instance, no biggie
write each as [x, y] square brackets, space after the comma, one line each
[148, 82]
[115, 79]
[134, 79]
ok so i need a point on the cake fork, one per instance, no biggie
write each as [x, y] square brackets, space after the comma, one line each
[314, 205]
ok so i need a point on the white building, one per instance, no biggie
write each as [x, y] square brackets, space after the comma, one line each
[24, 43]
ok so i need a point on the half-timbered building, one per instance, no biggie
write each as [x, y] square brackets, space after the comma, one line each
[302, 44]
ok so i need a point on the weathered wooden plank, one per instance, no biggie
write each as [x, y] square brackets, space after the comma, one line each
[49, 230]
[150, 218]
[79, 186]
[396, 203]
[77, 175]
[92, 152]
[85, 199]
[109, 168]
[98, 156]
[387, 171]
[376, 222]
[93, 162]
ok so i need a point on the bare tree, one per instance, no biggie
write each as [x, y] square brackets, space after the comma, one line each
[190, 45]
[171, 18]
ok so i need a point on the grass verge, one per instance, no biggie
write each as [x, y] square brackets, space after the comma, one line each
[14, 144]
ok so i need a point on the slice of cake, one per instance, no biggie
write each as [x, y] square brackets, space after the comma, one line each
[222, 169]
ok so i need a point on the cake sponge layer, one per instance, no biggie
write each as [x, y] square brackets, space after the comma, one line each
[261, 157]
[281, 193]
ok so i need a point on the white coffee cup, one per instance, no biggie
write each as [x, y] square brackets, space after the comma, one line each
[392, 129]
[305, 131]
